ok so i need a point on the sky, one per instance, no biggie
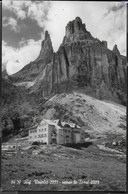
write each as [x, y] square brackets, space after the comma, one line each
[24, 24]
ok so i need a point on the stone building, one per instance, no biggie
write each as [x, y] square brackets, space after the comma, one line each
[55, 131]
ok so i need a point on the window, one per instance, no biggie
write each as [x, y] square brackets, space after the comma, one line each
[42, 135]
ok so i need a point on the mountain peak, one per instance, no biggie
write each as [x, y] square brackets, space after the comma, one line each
[46, 49]
[78, 20]
[47, 36]
[116, 50]
[75, 26]
[76, 31]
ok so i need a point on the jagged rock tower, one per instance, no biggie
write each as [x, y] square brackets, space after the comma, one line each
[82, 63]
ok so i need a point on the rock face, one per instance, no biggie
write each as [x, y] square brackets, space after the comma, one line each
[82, 63]
[46, 50]
[116, 50]
[75, 31]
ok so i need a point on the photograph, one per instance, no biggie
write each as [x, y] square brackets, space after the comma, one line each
[64, 96]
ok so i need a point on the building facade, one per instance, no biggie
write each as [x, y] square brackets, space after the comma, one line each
[54, 131]
[43, 133]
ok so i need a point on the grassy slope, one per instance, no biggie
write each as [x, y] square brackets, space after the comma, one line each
[88, 163]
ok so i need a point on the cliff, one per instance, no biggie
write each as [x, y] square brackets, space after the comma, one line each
[82, 63]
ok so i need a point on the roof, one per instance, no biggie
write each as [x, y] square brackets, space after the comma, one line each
[52, 122]
[56, 122]
[66, 123]
[33, 127]
[70, 124]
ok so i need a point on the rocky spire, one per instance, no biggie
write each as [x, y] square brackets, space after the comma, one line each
[116, 50]
[46, 49]
[75, 31]
[75, 26]
[47, 36]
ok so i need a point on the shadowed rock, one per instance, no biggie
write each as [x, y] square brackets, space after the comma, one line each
[46, 49]
[116, 50]
[82, 62]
